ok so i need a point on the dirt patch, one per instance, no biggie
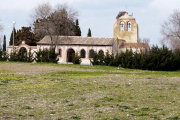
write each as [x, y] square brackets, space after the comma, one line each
[36, 69]
[30, 68]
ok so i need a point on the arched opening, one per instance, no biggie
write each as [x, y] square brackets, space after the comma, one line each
[83, 54]
[91, 53]
[101, 52]
[70, 54]
[23, 51]
[122, 26]
[129, 26]
[22, 54]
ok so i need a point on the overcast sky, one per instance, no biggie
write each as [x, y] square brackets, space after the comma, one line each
[98, 15]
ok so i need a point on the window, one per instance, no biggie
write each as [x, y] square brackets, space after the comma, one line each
[121, 26]
[101, 52]
[59, 53]
[129, 26]
[83, 54]
[91, 53]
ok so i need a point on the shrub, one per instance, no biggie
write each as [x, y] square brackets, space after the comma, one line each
[3, 55]
[76, 59]
[156, 59]
[108, 59]
[95, 60]
[13, 56]
[46, 55]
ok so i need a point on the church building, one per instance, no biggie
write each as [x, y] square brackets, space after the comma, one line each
[126, 35]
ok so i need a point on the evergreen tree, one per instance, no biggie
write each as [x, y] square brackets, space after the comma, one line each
[4, 43]
[14, 56]
[30, 56]
[76, 59]
[108, 59]
[101, 58]
[16, 39]
[77, 30]
[89, 33]
[95, 60]
[45, 55]
[11, 37]
[26, 34]
[3, 55]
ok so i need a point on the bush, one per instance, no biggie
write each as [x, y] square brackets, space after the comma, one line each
[95, 60]
[98, 59]
[3, 55]
[108, 59]
[155, 59]
[76, 59]
[46, 55]
[30, 57]
[13, 56]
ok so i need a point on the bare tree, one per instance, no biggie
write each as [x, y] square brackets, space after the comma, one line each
[170, 30]
[1, 27]
[53, 22]
[143, 44]
[40, 20]
[1, 40]
[144, 40]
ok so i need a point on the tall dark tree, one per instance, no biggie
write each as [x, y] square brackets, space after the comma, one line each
[89, 33]
[26, 34]
[11, 37]
[4, 43]
[77, 30]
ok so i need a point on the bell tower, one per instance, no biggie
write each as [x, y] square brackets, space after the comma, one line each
[126, 28]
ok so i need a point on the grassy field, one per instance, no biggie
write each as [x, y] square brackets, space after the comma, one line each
[45, 91]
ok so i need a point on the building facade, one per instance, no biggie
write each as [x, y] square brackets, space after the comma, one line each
[125, 37]
[66, 46]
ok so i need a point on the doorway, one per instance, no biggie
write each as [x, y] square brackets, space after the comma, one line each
[70, 54]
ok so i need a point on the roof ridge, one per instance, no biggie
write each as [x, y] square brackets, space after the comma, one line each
[79, 36]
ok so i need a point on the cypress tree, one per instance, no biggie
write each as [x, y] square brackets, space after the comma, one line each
[95, 59]
[16, 39]
[76, 59]
[89, 33]
[108, 59]
[77, 29]
[11, 37]
[30, 56]
[4, 43]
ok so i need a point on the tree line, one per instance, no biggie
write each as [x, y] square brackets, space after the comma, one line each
[154, 59]
[23, 55]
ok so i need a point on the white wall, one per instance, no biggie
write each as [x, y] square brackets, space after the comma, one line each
[77, 48]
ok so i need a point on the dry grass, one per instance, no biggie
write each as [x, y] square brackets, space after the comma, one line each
[51, 91]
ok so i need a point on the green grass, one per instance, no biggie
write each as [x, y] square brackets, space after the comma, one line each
[88, 92]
